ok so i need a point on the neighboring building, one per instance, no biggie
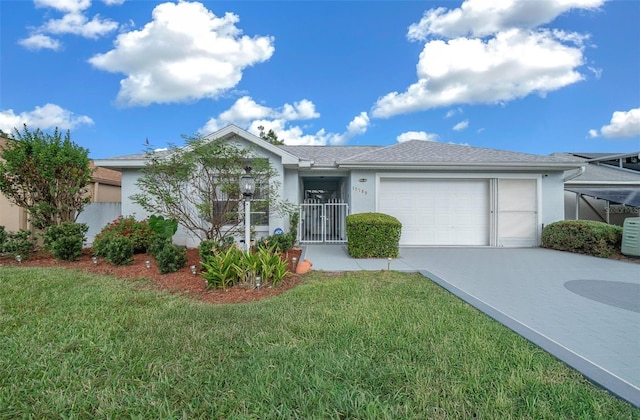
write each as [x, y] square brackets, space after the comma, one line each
[443, 194]
[105, 187]
[607, 190]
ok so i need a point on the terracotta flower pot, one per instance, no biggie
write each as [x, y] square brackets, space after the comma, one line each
[304, 267]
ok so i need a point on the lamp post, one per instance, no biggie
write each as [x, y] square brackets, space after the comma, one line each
[247, 186]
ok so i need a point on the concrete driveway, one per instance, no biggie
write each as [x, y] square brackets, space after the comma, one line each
[583, 310]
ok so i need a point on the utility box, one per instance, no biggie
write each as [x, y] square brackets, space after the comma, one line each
[631, 236]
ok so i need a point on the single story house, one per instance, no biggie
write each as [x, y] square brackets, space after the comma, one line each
[443, 194]
[608, 190]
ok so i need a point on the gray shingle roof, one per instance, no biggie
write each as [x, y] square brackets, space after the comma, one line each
[600, 173]
[327, 155]
[424, 152]
[139, 156]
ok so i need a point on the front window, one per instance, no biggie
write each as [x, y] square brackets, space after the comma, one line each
[259, 205]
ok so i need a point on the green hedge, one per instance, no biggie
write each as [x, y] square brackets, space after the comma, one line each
[583, 237]
[373, 235]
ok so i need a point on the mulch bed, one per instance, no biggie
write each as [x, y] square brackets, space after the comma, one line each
[183, 281]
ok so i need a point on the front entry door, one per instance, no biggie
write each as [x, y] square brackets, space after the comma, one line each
[323, 222]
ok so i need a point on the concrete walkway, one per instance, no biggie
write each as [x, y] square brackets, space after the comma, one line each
[583, 310]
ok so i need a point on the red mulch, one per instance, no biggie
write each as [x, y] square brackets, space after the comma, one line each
[180, 282]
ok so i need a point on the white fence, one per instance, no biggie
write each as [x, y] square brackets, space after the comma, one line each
[97, 216]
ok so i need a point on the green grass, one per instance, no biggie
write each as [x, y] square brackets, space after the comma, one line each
[362, 345]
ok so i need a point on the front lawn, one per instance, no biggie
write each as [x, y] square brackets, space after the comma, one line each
[358, 345]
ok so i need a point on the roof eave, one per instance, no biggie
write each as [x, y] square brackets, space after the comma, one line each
[119, 164]
[603, 183]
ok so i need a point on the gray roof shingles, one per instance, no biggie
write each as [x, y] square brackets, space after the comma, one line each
[421, 152]
[327, 155]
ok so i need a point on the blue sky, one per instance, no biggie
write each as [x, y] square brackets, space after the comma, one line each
[531, 76]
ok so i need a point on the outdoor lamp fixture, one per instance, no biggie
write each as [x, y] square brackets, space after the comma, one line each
[193, 270]
[247, 186]
[19, 259]
[388, 263]
[95, 260]
[147, 264]
[257, 282]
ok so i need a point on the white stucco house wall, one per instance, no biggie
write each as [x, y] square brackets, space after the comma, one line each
[443, 194]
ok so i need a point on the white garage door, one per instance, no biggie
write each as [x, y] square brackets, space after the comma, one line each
[438, 212]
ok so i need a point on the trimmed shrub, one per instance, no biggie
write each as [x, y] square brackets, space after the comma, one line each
[137, 231]
[583, 236]
[18, 243]
[281, 242]
[119, 250]
[157, 244]
[171, 258]
[373, 235]
[65, 241]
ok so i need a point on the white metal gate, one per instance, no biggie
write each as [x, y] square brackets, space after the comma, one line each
[323, 222]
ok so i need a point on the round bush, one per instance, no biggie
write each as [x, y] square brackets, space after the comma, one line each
[583, 237]
[119, 250]
[171, 258]
[373, 235]
[65, 241]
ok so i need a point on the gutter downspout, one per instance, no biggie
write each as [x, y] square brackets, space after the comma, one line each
[573, 176]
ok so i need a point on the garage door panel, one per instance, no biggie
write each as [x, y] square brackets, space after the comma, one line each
[438, 212]
[517, 212]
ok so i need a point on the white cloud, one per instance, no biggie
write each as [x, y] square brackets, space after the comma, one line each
[39, 42]
[417, 135]
[185, 53]
[72, 22]
[245, 111]
[452, 112]
[512, 65]
[623, 124]
[44, 117]
[113, 2]
[248, 114]
[78, 24]
[461, 125]
[480, 18]
[487, 52]
[66, 6]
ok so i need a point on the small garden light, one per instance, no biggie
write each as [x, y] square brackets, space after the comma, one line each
[19, 259]
[95, 260]
[147, 264]
[257, 282]
[388, 263]
[294, 260]
[193, 270]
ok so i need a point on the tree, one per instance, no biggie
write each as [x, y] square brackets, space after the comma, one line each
[198, 186]
[270, 136]
[46, 174]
